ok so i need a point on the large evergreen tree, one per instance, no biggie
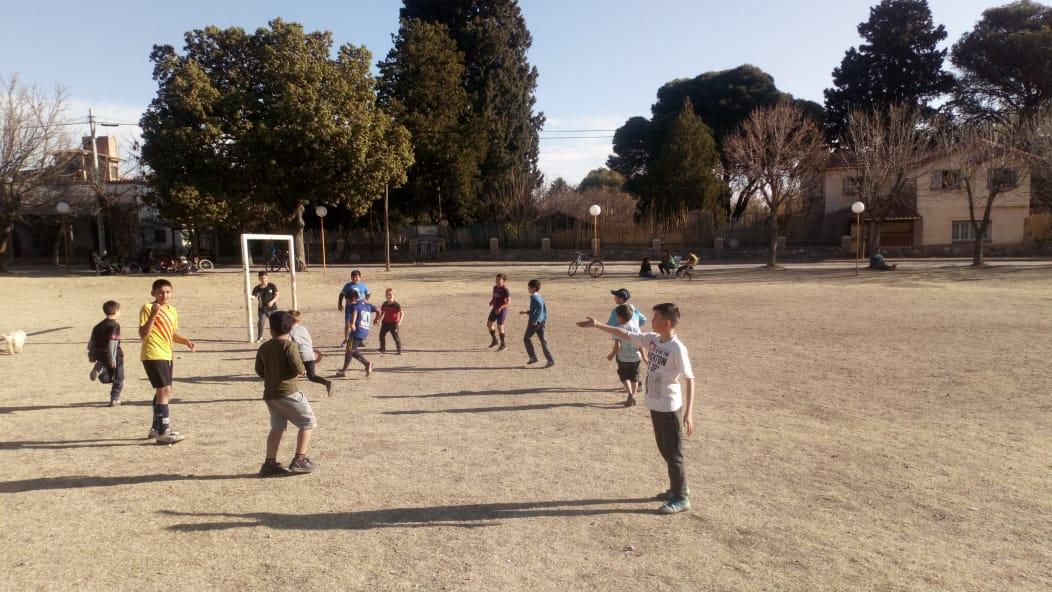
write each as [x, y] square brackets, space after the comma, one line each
[267, 122]
[422, 86]
[500, 83]
[898, 64]
[1006, 62]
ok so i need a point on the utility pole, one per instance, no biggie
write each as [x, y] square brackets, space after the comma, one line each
[95, 184]
[387, 231]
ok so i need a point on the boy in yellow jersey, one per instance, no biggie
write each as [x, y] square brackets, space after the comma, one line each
[159, 329]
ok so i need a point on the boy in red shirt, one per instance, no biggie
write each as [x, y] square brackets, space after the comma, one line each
[390, 319]
[498, 313]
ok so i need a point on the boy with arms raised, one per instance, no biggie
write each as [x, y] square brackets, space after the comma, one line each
[670, 410]
[278, 363]
[159, 329]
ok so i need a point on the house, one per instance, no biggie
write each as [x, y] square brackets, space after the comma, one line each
[936, 210]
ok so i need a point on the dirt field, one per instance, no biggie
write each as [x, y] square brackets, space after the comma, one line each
[888, 432]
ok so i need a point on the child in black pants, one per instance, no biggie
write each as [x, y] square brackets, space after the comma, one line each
[390, 320]
[308, 353]
[105, 350]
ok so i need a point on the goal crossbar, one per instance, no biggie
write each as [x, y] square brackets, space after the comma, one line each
[246, 262]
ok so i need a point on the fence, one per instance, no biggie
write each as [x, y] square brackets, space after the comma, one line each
[1039, 226]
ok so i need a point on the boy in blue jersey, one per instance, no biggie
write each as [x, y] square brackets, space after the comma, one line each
[356, 283]
[360, 316]
[535, 324]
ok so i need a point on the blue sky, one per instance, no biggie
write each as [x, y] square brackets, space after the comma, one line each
[600, 61]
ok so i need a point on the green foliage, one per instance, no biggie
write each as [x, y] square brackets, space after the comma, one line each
[601, 178]
[243, 125]
[681, 174]
[1006, 62]
[500, 83]
[899, 64]
[422, 86]
[558, 186]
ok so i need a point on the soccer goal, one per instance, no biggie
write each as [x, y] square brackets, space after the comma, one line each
[246, 262]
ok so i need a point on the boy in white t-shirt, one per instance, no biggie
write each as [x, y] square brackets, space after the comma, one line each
[670, 409]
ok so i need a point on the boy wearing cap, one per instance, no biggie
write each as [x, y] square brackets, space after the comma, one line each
[621, 296]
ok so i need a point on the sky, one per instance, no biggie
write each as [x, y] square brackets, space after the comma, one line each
[599, 61]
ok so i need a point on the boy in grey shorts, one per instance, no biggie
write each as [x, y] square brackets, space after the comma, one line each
[278, 363]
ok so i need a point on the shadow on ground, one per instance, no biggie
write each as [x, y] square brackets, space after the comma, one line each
[80, 481]
[465, 516]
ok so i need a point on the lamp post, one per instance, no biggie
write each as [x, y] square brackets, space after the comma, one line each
[63, 210]
[858, 207]
[595, 210]
[321, 212]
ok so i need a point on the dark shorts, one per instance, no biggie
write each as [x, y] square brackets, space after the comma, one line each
[628, 371]
[498, 315]
[159, 372]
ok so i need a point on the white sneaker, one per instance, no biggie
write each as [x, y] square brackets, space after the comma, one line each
[170, 437]
[153, 434]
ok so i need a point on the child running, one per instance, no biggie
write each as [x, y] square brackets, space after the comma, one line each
[310, 356]
[159, 329]
[627, 355]
[278, 363]
[535, 324]
[390, 320]
[357, 329]
[104, 349]
[670, 410]
[498, 313]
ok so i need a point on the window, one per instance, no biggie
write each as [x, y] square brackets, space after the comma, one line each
[1002, 179]
[943, 180]
[963, 231]
[160, 236]
[851, 185]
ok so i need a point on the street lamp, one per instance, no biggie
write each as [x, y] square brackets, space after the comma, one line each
[63, 210]
[322, 211]
[858, 207]
[595, 210]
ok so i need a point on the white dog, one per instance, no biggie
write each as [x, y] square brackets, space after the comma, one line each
[14, 341]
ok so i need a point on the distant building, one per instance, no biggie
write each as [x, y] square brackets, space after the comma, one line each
[78, 162]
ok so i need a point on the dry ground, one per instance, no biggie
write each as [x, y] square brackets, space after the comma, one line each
[888, 432]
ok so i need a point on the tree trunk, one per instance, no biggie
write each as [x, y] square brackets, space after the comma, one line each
[297, 227]
[977, 254]
[7, 226]
[772, 241]
[874, 236]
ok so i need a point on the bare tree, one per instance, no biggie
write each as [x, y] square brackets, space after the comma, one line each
[32, 132]
[985, 161]
[885, 145]
[782, 151]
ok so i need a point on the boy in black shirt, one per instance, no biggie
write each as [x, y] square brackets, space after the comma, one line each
[266, 294]
[104, 349]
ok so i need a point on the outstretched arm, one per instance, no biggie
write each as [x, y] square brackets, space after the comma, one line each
[615, 331]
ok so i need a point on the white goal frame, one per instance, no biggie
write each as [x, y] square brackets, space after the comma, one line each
[246, 262]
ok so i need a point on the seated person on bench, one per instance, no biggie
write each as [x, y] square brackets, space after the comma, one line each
[645, 269]
[877, 261]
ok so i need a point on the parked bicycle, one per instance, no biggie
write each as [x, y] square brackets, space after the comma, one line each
[593, 267]
[198, 263]
[279, 260]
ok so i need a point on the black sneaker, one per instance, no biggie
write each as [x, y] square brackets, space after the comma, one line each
[302, 465]
[550, 364]
[531, 361]
[629, 402]
[493, 343]
[330, 388]
[273, 469]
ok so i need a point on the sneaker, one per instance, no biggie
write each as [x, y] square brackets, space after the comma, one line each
[329, 389]
[95, 371]
[668, 495]
[382, 350]
[675, 505]
[493, 343]
[273, 469]
[368, 369]
[302, 465]
[115, 402]
[550, 364]
[629, 402]
[399, 352]
[341, 373]
[153, 434]
[502, 347]
[531, 361]
[170, 437]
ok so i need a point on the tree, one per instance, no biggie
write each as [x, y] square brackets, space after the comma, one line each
[422, 86]
[884, 146]
[32, 133]
[682, 175]
[244, 125]
[601, 177]
[723, 100]
[559, 185]
[500, 82]
[1005, 62]
[899, 64]
[989, 160]
[782, 151]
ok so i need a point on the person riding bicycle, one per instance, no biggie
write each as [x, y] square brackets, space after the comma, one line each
[688, 265]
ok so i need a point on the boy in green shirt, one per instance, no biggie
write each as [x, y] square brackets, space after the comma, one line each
[278, 363]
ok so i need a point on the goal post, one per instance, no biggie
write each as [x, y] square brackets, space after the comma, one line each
[246, 262]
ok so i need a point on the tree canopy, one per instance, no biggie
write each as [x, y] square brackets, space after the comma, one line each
[601, 177]
[898, 64]
[500, 83]
[1005, 62]
[267, 122]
